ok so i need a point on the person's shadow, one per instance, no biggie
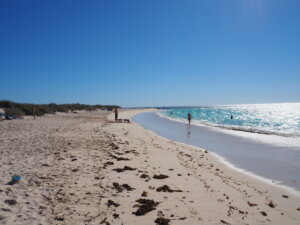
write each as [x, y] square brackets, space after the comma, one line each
[188, 131]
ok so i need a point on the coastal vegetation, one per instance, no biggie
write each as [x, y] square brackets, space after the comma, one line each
[22, 109]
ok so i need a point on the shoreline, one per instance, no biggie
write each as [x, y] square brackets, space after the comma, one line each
[261, 136]
[223, 160]
[85, 168]
[268, 181]
[227, 147]
[226, 163]
[169, 114]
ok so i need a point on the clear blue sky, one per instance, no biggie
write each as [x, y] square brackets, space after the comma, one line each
[150, 52]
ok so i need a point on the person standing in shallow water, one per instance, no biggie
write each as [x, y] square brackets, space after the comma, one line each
[116, 114]
[189, 116]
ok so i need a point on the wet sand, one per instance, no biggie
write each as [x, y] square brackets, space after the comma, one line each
[268, 159]
[85, 169]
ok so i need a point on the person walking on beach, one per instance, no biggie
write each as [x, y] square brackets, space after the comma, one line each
[116, 114]
[189, 116]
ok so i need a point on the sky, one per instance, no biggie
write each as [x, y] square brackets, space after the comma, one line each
[150, 52]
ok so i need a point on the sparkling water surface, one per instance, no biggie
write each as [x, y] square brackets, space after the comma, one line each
[280, 118]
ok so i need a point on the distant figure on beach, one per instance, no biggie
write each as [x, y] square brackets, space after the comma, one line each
[116, 114]
[189, 116]
[231, 117]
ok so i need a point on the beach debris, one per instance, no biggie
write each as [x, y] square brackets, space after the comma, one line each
[119, 158]
[263, 213]
[144, 176]
[127, 187]
[10, 201]
[116, 215]
[298, 208]
[182, 218]
[5, 210]
[14, 179]
[120, 188]
[112, 203]
[161, 176]
[45, 165]
[251, 204]
[224, 222]
[285, 196]
[160, 213]
[103, 221]
[113, 146]
[144, 194]
[166, 188]
[145, 206]
[123, 121]
[162, 221]
[271, 204]
[205, 151]
[59, 218]
[230, 210]
[75, 170]
[126, 121]
[119, 170]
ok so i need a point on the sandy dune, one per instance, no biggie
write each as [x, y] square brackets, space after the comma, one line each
[84, 169]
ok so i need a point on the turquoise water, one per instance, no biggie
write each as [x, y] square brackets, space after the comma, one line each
[280, 118]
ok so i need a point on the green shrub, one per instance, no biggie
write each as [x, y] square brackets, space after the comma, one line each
[21, 109]
[13, 111]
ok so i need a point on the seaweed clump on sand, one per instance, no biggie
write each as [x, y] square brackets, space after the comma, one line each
[145, 206]
[119, 158]
[120, 188]
[161, 176]
[166, 188]
[162, 221]
[112, 203]
[119, 170]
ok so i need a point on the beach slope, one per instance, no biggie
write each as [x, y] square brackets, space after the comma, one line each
[84, 168]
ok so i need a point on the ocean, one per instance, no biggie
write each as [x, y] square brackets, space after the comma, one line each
[279, 119]
[262, 140]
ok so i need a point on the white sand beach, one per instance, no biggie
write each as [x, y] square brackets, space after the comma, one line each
[83, 168]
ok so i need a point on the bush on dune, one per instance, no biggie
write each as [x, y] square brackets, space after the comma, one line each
[21, 109]
[13, 111]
